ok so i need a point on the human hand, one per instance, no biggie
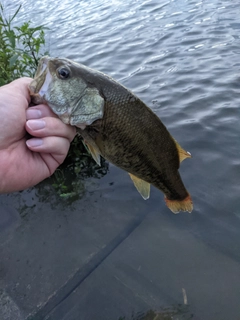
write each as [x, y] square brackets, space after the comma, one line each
[25, 161]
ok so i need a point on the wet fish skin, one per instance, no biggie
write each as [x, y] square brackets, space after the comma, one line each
[125, 142]
[128, 133]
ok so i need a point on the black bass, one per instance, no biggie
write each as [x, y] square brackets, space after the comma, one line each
[115, 124]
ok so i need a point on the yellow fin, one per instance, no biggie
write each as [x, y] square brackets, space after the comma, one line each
[94, 152]
[180, 205]
[182, 153]
[142, 186]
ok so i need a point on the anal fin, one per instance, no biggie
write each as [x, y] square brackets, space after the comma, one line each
[142, 186]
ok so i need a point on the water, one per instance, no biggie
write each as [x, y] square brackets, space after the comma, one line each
[182, 59]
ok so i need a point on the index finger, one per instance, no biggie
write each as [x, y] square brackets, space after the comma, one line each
[39, 111]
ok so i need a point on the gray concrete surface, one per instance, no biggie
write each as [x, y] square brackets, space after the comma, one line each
[112, 255]
[8, 309]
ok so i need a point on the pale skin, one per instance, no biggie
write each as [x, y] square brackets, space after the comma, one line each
[25, 161]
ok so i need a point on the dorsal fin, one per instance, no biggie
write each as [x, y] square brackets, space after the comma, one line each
[94, 152]
[142, 186]
[182, 153]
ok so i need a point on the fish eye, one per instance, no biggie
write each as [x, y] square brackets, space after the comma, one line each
[63, 73]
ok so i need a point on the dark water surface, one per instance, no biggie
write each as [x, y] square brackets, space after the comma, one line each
[182, 58]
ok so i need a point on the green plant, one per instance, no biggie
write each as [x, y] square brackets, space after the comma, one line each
[20, 48]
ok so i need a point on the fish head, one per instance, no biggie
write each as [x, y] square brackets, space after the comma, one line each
[61, 84]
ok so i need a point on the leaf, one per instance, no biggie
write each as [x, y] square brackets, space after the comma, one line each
[15, 13]
[13, 60]
[11, 37]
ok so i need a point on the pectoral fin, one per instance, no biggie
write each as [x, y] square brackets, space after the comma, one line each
[94, 153]
[182, 153]
[142, 186]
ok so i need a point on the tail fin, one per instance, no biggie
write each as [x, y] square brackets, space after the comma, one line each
[180, 205]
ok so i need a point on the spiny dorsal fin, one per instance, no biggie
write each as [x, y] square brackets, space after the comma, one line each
[182, 153]
[142, 186]
[94, 152]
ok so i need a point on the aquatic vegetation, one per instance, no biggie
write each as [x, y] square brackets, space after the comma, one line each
[68, 180]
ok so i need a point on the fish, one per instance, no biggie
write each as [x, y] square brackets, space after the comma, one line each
[115, 124]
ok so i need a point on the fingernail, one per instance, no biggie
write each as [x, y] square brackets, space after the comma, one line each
[33, 114]
[36, 124]
[34, 142]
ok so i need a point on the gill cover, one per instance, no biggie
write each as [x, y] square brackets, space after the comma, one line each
[88, 108]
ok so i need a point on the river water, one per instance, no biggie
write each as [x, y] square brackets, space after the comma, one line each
[182, 58]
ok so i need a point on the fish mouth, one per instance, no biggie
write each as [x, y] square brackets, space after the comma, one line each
[39, 86]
